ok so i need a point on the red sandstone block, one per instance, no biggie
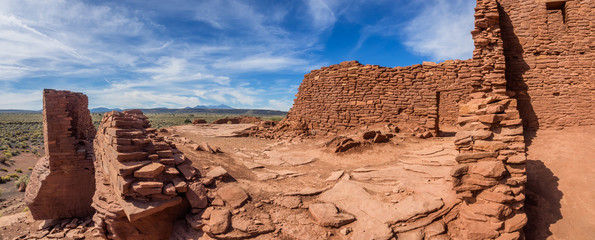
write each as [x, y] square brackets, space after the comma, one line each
[165, 154]
[120, 141]
[147, 188]
[134, 156]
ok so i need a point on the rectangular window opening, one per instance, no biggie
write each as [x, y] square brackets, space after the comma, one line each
[557, 6]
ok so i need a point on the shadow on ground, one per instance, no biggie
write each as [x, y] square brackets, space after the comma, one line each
[542, 202]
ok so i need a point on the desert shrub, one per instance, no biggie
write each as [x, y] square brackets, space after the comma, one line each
[18, 170]
[7, 154]
[23, 179]
[4, 179]
[26, 209]
[4, 169]
[14, 175]
[276, 119]
[30, 168]
[187, 120]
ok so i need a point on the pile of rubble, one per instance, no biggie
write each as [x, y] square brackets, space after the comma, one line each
[143, 182]
[238, 120]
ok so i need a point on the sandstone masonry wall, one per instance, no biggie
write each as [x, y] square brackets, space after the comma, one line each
[143, 182]
[349, 95]
[490, 174]
[548, 45]
[62, 182]
[549, 49]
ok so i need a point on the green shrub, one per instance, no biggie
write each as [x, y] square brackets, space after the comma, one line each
[18, 170]
[276, 119]
[26, 209]
[4, 179]
[30, 168]
[187, 120]
[24, 178]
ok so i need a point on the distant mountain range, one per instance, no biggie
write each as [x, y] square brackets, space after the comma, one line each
[213, 109]
[220, 106]
[103, 110]
[18, 111]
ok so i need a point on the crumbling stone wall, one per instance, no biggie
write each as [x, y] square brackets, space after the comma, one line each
[62, 182]
[550, 70]
[349, 95]
[143, 182]
[490, 175]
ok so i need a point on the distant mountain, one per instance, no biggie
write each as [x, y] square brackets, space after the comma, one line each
[220, 109]
[232, 111]
[220, 106]
[103, 110]
[18, 111]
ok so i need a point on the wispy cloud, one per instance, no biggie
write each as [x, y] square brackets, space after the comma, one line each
[441, 29]
[262, 63]
[157, 54]
[29, 99]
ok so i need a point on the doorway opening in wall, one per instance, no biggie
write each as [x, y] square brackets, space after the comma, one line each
[556, 8]
[446, 114]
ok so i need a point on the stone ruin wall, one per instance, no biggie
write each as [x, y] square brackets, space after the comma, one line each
[143, 182]
[549, 60]
[135, 182]
[490, 174]
[532, 66]
[549, 70]
[62, 182]
[350, 95]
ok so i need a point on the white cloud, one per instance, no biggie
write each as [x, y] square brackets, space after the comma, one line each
[28, 99]
[323, 16]
[280, 104]
[237, 96]
[262, 63]
[441, 30]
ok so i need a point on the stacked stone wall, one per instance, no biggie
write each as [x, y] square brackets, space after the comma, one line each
[350, 95]
[143, 182]
[62, 182]
[549, 60]
[549, 70]
[490, 174]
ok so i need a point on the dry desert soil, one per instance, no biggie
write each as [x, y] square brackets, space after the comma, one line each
[284, 178]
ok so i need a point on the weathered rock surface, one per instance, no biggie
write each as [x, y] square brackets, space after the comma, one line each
[62, 182]
[327, 215]
[233, 195]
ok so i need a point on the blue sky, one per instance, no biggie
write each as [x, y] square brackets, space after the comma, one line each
[245, 54]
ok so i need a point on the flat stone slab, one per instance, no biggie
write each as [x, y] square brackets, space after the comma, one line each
[265, 175]
[352, 198]
[307, 191]
[252, 165]
[217, 172]
[335, 176]
[149, 171]
[233, 195]
[136, 209]
[327, 215]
